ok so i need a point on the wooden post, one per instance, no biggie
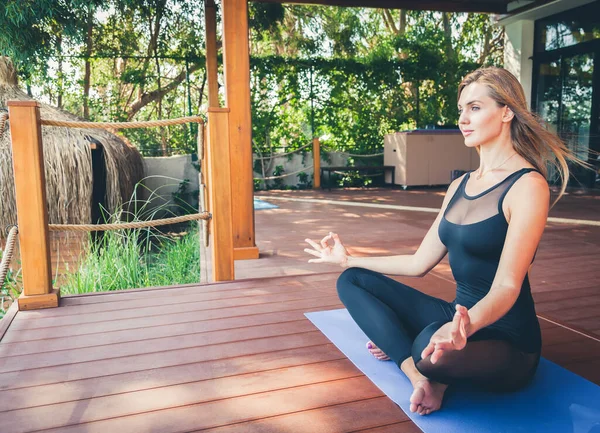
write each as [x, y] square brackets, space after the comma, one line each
[32, 212]
[218, 163]
[236, 64]
[316, 163]
[210, 15]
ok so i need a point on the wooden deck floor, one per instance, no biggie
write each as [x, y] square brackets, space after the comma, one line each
[229, 357]
[241, 356]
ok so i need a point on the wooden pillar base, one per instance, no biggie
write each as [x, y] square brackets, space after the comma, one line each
[245, 253]
[37, 302]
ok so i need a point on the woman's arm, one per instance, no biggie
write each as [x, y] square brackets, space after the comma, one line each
[527, 204]
[430, 252]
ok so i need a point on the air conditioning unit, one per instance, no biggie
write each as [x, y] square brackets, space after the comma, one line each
[427, 157]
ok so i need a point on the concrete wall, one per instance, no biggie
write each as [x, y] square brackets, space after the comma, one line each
[164, 175]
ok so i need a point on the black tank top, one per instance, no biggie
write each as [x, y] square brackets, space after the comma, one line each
[473, 230]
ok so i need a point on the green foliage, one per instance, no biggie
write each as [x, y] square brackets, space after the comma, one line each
[305, 180]
[185, 200]
[136, 258]
[10, 289]
[348, 74]
[278, 183]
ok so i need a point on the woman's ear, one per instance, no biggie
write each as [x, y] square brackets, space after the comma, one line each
[508, 114]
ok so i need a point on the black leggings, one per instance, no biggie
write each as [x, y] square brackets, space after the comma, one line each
[400, 320]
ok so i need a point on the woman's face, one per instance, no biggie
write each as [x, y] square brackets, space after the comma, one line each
[481, 120]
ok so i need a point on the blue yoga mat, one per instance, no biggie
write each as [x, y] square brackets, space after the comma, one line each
[557, 401]
[261, 204]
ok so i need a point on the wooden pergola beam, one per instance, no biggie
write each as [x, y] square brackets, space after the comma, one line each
[210, 18]
[483, 6]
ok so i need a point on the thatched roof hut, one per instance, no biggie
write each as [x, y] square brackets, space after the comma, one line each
[71, 167]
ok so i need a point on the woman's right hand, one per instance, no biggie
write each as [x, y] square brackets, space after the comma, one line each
[325, 253]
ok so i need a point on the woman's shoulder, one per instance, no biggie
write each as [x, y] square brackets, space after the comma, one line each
[532, 176]
[530, 186]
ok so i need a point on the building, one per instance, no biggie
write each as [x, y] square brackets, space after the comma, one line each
[554, 50]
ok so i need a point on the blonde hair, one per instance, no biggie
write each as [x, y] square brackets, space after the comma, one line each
[530, 137]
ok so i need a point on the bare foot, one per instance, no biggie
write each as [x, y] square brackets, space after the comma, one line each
[427, 396]
[377, 352]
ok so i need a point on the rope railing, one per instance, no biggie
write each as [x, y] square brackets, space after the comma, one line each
[356, 155]
[284, 175]
[123, 125]
[343, 173]
[131, 225]
[203, 215]
[8, 253]
[280, 155]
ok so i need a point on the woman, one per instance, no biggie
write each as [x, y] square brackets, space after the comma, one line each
[490, 224]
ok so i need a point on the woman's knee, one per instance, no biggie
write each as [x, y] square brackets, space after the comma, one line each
[349, 280]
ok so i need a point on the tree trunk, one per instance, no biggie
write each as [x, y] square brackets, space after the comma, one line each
[155, 95]
[88, 67]
[402, 27]
[450, 54]
[60, 84]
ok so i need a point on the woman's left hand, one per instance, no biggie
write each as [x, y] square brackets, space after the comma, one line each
[451, 336]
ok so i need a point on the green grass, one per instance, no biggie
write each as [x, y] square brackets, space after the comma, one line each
[125, 259]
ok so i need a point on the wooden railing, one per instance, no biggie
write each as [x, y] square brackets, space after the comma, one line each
[32, 213]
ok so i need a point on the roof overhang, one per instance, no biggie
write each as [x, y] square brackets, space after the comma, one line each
[485, 6]
[536, 10]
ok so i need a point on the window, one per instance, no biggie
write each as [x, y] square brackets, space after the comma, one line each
[568, 29]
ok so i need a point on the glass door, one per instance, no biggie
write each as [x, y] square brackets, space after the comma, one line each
[565, 90]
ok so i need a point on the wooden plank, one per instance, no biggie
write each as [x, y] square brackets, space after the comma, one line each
[143, 302]
[7, 320]
[167, 376]
[191, 393]
[219, 170]
[146, 334]
[180, 290]
[141, 362]
[561, 294]
[560, 335]
[245, 253]
[30, 196]
[18, 342]
[193, 316]
[157, 345]
[365, 415]
[570, 303]
[567, 353]
[23, 321]
[226, 412]
[236, 67]
[587, 369]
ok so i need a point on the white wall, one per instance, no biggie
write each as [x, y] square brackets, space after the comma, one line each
[518, 49]
[163, 176]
